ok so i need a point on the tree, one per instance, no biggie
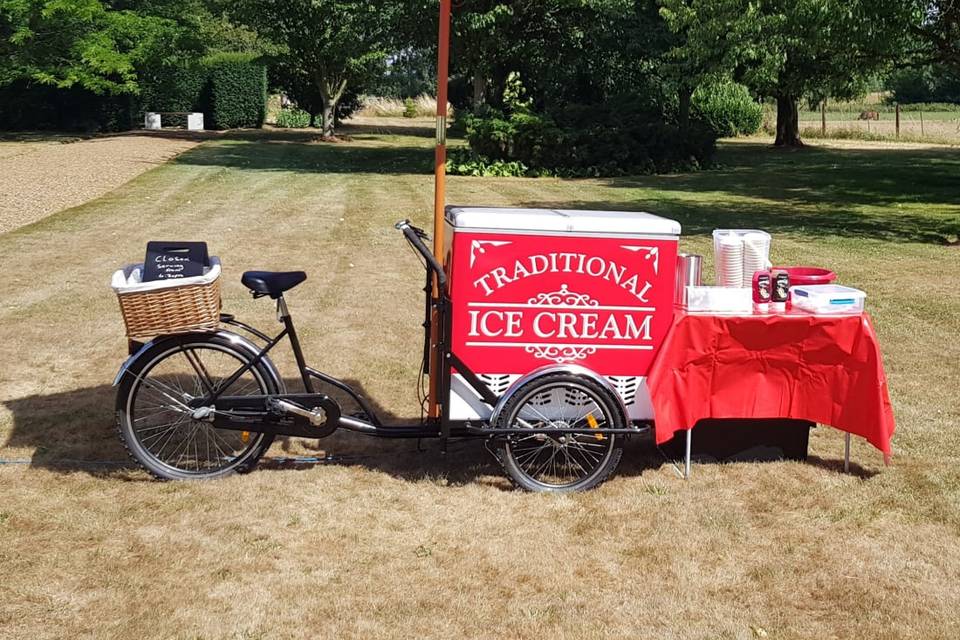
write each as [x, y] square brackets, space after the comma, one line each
[336, 44]
[938, 29]
[410, 73]
[79, 43]
[482, 43]
[204, 24]
[928, 83]
[590, 51]
[788, 49]
[688, 62]
[565, 51]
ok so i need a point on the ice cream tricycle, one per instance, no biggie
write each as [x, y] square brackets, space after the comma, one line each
[541, 325]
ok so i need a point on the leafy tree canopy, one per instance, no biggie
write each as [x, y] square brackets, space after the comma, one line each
[565, 51]
[938, 30]
[79, 43]
[788, 49]
[333, 44]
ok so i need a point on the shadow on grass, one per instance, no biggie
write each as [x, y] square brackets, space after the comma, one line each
[76, 431]
[705, 215]
[301, 155]
[64, 137]
[828, 175]
[815, 192]
[372, 130]
[836, 465]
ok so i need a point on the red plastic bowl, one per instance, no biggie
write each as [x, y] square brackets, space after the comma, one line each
[809, 275]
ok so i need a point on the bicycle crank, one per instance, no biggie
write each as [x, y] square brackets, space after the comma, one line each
[316, 418]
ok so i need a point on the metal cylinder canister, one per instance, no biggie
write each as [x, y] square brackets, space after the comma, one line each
[689, 273]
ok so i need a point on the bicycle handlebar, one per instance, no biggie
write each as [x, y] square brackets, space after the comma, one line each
[415, 236]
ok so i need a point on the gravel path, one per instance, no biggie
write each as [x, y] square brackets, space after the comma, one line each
[39, 179]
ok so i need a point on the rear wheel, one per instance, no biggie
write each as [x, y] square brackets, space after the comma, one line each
[561, 461]
[158, 427]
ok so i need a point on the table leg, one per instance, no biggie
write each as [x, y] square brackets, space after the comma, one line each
[686, 461]
[846, 454]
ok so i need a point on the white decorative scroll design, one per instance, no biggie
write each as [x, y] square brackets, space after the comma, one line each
[564, 297]
[651, 253]
[561, 354]
[477, 246]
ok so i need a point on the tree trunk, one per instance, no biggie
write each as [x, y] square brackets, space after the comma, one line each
[479, 90]
[788, 122]
[313, 119]
[685, 94]
[329, 122]
[330, 94]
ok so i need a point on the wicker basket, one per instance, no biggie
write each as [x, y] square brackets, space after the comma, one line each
[168, 306]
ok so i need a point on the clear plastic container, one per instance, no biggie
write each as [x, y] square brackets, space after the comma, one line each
[734, 300]
[827, 299]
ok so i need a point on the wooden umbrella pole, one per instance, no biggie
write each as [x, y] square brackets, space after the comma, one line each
[440, 179]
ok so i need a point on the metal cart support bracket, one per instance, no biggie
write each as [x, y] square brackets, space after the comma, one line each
[685, 472]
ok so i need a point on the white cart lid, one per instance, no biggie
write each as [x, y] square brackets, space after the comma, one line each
[561, 220]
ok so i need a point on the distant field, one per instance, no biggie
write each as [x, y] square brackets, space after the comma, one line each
[932, 126]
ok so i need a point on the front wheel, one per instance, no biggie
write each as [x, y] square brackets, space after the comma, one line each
[561, 461]
[158, 427]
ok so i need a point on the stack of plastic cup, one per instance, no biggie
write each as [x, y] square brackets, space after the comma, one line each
[729, 260]
[756, 255]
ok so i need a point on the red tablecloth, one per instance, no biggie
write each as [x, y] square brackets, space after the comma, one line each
[824, 369]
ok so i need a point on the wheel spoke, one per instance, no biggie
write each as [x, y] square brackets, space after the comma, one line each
[202, 377]
[167, 392]
[591, 458]
[546, 463]
[536, 411]
[568, 453]
[531, 454]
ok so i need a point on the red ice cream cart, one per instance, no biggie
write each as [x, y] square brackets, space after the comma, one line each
[537, 290]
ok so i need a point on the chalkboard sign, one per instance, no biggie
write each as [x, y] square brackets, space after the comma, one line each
[171, 260]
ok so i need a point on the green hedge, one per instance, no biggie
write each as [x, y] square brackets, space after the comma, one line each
[173, 87]
[25, 106]
[229, 88]
[236, 92]
[616, 138]
[727, 108]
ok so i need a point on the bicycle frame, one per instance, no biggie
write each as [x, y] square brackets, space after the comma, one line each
[296, 414]
[251, 408]
[279, 423]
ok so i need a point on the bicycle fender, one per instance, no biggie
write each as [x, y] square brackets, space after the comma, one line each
[552, 369]
[234, 338]
[130, 360]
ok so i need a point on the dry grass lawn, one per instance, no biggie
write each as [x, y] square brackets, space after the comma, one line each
[386, 541]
